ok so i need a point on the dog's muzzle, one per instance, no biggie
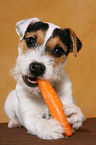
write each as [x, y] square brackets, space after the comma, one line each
[36, 70]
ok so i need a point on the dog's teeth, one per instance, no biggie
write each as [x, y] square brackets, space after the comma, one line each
[31, 81]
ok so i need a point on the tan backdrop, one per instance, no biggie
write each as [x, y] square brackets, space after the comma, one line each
[80, 15]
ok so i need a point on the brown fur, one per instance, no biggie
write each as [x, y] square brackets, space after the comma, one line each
[39, 41]
[23, 46]
[74, 42]
[60, 60]
[54, 41]
[52, 44]
[40, 36]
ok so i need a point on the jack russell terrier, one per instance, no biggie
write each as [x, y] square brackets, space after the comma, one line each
[42, 53]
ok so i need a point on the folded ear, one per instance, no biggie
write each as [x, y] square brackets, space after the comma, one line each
[22, 26]
[76, 43]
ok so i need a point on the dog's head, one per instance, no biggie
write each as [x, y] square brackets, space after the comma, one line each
[43, 50]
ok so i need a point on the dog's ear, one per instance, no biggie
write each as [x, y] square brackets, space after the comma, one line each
[76, 43]
[22, 26]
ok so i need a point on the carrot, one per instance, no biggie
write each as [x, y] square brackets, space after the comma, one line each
[54, 105]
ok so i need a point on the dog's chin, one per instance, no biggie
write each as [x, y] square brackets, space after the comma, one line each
[30, 81]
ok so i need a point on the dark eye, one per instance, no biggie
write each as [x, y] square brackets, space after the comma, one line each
[30, 41]
[57, 51]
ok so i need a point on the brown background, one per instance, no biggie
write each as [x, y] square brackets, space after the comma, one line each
[80, 15]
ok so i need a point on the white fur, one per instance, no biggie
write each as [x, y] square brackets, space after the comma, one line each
[25, 105]
[22, 25]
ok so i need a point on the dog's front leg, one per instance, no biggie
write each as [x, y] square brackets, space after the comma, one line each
[32, 117]
[45, 129]
[73, 113]
[28, 109]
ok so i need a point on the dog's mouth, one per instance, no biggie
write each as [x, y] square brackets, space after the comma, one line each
[30, 81]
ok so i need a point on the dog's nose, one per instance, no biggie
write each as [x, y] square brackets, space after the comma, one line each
[37, 68]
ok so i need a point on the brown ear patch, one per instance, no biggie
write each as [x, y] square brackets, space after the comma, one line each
[74, 40]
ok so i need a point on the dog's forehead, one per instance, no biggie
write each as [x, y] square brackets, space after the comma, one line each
[46, 27]
[50, 30]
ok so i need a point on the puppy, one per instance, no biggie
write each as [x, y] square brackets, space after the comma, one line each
[43, 51]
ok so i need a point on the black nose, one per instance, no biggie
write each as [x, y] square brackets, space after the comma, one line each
[37, 69]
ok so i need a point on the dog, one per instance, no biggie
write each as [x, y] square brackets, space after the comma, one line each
[42, 53]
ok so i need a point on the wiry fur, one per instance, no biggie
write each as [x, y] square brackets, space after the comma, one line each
[25, 105]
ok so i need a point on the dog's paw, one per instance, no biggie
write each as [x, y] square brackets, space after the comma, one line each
[74, 115]
[14, 123]
[50, 129]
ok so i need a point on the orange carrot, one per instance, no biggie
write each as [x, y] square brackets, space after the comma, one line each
[54, 105]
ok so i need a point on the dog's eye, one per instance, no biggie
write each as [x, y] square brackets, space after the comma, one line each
[30, 41]
[57, 51]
